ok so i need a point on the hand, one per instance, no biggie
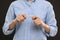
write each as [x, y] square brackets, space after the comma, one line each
[20, 18]
[37, 20]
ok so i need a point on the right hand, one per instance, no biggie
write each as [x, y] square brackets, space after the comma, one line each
[20, 18]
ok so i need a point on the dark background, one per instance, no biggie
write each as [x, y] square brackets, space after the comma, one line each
[4, 4]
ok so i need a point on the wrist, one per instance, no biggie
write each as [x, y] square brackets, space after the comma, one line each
[42, 24]
[46, 27]
[12, 24]
[15, 21]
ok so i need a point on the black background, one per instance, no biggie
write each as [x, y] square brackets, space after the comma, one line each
[4, 4]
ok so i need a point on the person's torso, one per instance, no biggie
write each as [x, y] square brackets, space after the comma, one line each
[27, 30]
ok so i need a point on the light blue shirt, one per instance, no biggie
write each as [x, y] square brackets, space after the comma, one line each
[27, 30]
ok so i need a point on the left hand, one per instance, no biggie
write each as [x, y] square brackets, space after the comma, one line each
[37, 21]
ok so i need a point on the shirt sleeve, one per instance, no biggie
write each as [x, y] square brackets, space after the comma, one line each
[51, 21]
[9, 17]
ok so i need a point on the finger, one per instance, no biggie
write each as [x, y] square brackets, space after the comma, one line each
[24, 16]
[34, 17]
